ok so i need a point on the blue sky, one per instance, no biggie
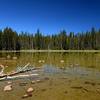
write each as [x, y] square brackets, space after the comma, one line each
[50, 16]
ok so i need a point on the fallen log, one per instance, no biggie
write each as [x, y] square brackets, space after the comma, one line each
[18, 76]
[4, 75]
[14, 74]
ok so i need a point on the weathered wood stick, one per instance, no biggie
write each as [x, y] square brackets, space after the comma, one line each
[15, 73]
[17, 76]
[25, 66]
[2, 69]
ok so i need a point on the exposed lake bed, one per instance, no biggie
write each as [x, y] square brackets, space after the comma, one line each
[61, 76]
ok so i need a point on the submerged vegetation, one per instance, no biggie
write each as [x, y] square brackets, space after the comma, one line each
[11, 40]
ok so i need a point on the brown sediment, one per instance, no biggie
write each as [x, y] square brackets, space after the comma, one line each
[65, 92]
[98, 91]
[91, 83]
[43, 90]
[77, 87]
[81, 88]
[86, 90]
[23, 84]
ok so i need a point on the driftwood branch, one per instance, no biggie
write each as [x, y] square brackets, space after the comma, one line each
[2, 70]
[15, 73]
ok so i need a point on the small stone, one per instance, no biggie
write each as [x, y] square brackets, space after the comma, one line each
[38, 81]
[2, 66]
[8, 56]
[9, 82]
[40, 61]
[62, 61]
[29, 90]
[25, 96]
[14, 58]
[33, 82]
[8, 88]
[6, 66]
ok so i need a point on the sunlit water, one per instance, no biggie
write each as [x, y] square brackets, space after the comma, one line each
[64, 76]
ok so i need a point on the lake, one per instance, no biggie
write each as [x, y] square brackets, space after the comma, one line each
[62, 75]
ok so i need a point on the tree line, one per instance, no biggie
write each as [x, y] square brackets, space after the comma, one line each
[11, 40]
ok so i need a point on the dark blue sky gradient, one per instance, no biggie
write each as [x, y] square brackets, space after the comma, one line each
[50, 16]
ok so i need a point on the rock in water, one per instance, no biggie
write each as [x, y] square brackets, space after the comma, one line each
[8, 88]
[38, 81]
[62, 61]
[14, 58]
[26, 95]
[29, 93]
[8, 56]
[9, 82]
[29, 90]
[33, 82]
[40, 61]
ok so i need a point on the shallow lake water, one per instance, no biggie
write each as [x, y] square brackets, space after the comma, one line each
[62, 75]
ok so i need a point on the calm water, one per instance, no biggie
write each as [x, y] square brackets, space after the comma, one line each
[86, 60]
[66, 71]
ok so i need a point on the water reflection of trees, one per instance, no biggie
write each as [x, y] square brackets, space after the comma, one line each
[40, 59]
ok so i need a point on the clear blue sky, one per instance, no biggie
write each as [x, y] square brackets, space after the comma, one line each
[50, 16]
